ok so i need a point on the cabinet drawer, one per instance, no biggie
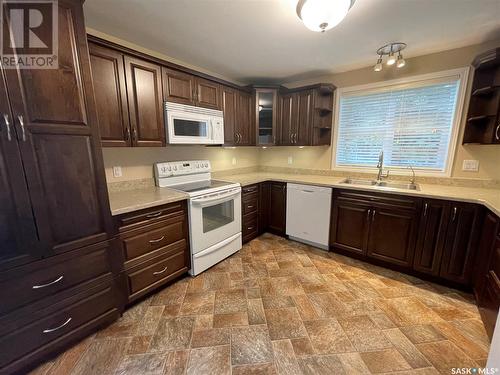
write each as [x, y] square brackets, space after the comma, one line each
[250, 227]
[41, 279]
[153, 237]
[378, 199]
[250, 204]
[151, 215]
[159, 270]
[57, 325]
[250, 189]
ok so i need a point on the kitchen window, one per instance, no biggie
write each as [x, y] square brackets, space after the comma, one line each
[414, 121]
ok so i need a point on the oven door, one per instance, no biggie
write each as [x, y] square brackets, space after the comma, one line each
[214, 218]
[188, 128]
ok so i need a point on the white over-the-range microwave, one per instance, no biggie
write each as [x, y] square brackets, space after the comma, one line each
[187, 124]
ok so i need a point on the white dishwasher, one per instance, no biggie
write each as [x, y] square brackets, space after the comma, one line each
[308, 214]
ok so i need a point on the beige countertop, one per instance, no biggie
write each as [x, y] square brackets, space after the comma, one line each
[132, 200]
[488, 197]
[125, 201]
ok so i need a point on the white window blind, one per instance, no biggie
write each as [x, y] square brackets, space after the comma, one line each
[411, 123]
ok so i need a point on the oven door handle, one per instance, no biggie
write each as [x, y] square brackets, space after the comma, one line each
[219, 198]
[216, 247]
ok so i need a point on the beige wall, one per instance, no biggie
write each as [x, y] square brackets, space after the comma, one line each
[137, 163]
[320, 157]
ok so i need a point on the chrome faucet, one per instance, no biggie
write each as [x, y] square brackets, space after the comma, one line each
[380, 167]
[412, 180]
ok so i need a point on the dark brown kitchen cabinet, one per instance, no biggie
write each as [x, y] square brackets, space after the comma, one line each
[229, 100]
[250, 209]
[54, 124]
[431, 236]
[489, 298]
[349, 226]
[483, 117]
[378, 226]
[185, 88]
[238, 124]
[272, 207]
[145, 102]
[460, 243]
[178, 87]
[55, 221]
[18, 235]
[266, 102]
[392, 235]
[305, 115]
[108, 75]
[245, 130]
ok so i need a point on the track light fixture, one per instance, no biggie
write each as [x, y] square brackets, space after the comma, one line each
[391, 50]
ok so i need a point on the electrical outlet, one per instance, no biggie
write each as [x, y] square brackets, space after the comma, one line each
[470, 165]
[117, 172]
[290, 160]
[233, 162]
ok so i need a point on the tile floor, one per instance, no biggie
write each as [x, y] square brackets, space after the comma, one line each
[280, 307]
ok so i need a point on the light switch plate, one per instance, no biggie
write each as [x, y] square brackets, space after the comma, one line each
[117, 172]
[290, 160]
[470, 165]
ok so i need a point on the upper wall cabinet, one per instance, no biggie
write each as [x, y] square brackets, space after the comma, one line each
[129, 99]
[483, 118]
[265, 115]
[185, 88]
[238, 117]
[305, 116]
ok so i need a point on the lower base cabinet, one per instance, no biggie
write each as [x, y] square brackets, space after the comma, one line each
[154, 246]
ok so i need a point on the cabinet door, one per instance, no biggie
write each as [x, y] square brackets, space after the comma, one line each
[431, 236]
[349, 226]
[178, 87]
[108, 76]
[208, 94]
[489, 230]
[57, 131]
[461, 240]
[392, 235]
[244, 128]
[277, 208]
[264, 206]
[304, 118]
[229, 98]
[285, 119]
[18, 234]
[145, 102]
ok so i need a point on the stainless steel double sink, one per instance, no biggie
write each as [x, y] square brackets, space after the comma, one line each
[382, 185]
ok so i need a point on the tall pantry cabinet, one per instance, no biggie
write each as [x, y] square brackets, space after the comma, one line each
[57, 279]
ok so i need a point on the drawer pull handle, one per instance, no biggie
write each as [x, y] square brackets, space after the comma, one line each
[425, 209]
[373, 214]
[57, 328]
[160, 272]
[249, 206]
[157, 240]
[48, 284]
[368, 215]
[250, 228]
[454, 214]
[151, 216]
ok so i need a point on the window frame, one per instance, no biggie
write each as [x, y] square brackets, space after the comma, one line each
[408, 82]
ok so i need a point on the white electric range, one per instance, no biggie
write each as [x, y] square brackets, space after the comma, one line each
[214, 210]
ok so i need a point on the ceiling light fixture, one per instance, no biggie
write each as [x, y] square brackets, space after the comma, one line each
[391, 50]
[322, 15]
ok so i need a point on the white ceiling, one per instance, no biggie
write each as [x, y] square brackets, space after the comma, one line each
[264, 41]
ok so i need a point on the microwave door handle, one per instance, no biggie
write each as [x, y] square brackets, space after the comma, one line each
[203, 202]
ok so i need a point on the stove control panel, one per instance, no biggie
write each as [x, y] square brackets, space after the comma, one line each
[179, 168]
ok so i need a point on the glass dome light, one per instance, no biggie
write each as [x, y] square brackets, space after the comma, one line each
[322, 15]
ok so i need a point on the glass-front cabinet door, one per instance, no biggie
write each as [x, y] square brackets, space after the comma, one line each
[266, 100]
